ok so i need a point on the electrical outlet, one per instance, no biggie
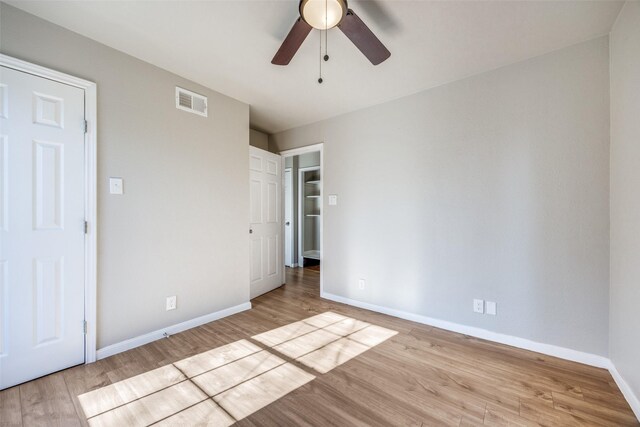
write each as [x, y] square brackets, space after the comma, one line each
[361, 284]
[492, 308]
[478, 306]
[171, 303]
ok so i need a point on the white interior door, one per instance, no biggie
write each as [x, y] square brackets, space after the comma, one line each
[41, 225]
[265, 228]
[288, 218]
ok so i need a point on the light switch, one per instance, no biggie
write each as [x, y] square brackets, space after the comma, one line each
[492, 309]
[116, 186]
[333, 199]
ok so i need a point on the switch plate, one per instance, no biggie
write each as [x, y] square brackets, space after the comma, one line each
[492, 308]
[333, 199]
[478, 306]
[171, 303]
[361, 284]
[116, 186]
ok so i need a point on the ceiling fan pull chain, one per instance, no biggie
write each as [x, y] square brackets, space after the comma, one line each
[320, 62]
[326, 27]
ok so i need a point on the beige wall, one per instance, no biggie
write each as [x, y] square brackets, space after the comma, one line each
[625, 196]
[180, 228]
[492, 187]
[259, 139]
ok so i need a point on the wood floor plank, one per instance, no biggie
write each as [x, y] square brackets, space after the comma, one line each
[203, 362]
[307, 343]
[597, 414]
[545, 415]
[262, 390]
[152, 408]
[495, 416]
[10, 409]
[332, 355]
[346, 327]
[206, 413]
[114, 395]
[46, 402]
[284, 333]
[325, 319]
[232, 374]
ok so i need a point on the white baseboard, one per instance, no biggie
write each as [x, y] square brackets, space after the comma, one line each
[633, 400]
[125, 345]
[548, 349]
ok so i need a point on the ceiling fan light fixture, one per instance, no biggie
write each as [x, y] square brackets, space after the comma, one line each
[323, 14]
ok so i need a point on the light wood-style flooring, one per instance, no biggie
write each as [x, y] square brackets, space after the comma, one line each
[420, 376]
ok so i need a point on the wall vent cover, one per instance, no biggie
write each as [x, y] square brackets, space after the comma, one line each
[191, 102]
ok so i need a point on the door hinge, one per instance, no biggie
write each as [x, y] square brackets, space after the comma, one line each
[84, 327]
[86, 126]
[86, 227]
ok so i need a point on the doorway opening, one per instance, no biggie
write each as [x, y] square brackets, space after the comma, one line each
[303, 212]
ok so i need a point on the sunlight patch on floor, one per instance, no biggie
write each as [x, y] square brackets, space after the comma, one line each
[228, 383]
[325, 341]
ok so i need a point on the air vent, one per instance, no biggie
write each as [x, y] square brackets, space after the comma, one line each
[191, 102]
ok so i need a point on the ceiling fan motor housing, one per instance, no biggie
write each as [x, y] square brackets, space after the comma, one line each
[323, 14]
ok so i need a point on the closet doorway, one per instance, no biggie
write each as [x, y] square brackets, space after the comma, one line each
[303, 207]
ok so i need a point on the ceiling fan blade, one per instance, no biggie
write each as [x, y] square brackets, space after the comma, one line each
[361, 36]
[291, 44]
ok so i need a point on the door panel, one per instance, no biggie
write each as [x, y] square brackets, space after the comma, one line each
[42, 227]
[256, 259]
[47, 310]
[272, 255]
[272, 202]
[256, 201]
[265, 227]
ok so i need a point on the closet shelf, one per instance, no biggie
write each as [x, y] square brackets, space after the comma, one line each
[315, 181]
[313, 196]
[313, 215]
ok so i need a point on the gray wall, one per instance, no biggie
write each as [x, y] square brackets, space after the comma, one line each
[625, 195]
[180, 228]
[492, 187]
[259, 139]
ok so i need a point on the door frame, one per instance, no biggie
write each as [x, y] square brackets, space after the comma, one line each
[295, 152]
[90, 183]
[284, 213]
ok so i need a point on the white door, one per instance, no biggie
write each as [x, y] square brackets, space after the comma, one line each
[265, 228]
[41, 225]
[288, 218]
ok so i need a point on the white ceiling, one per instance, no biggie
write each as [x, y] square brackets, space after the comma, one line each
[228, 45]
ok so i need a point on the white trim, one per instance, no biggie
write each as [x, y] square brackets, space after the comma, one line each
[296, 152]
[548, 349]
[291, 242]
[125, 345]
[302, 150]
[90, 114]
[626, 390]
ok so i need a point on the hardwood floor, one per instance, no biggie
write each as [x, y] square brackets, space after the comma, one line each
[419, 376]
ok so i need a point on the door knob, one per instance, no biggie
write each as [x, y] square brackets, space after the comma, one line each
[250, 231]
[287, 223]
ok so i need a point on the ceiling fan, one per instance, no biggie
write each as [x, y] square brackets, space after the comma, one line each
[324, 15]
